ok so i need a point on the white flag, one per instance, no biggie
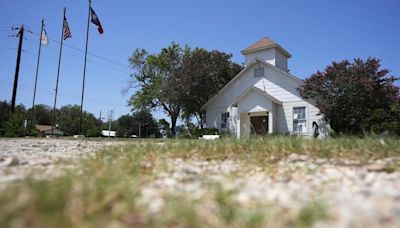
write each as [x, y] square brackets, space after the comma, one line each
[44, 39]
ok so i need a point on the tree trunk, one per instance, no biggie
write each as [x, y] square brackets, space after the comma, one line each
[201, 121]
[173, 125]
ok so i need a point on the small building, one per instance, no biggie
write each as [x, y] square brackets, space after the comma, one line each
[263, 98]
[46, 130]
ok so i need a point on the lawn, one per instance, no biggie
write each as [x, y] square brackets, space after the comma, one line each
[262, 182]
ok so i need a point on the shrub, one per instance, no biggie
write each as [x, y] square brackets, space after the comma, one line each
[205, 131]
[14, 127]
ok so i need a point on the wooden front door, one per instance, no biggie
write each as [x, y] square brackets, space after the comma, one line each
[259, 125]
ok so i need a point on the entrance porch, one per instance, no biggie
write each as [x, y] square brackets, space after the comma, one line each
[255, 123]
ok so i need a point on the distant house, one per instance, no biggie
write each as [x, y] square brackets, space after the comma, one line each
[46, 130]
[263, 98]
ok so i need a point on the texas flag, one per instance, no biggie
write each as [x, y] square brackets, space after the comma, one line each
[95, 20]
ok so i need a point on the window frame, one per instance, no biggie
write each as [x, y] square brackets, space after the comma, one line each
[297, 121]
[259, 72]
[225, 120]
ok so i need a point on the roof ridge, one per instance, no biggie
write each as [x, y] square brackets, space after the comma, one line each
[265, 43]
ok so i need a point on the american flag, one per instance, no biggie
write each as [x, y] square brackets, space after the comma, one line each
[66, 30]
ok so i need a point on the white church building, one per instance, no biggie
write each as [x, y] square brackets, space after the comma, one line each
[263, 98]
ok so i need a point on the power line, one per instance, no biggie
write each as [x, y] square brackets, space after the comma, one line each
[89, 53]
[78, 67]
[79, 57]
[66, 95]
[8, 43]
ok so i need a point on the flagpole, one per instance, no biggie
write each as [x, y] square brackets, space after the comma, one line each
[36, 77]
[84, 68]
[58, 74]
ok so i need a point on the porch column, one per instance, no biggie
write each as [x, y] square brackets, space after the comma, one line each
[270, 122]
[238, 125]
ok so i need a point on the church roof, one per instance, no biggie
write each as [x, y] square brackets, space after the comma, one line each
[265, 43]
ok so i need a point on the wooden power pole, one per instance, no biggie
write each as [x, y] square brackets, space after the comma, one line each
[14, 94]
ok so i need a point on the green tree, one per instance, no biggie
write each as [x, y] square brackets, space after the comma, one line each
[158, 79]
[68, 121]
[355, 97]
[148, 125]
[125, 125]
[204, 74]
[129, 124]
[14, 127]
[42, 114]
[5, 111]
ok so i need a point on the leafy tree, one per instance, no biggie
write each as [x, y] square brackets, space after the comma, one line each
[5, 110]
[148, 125]
[91, 126]
[129, 124]
[68, 121]
[42, 114]
[125, 125]
[355, 97]
[158, 78]
[204, 74]
[14, 127]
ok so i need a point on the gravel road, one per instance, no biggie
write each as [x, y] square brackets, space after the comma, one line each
[43, 157]
[356, 195]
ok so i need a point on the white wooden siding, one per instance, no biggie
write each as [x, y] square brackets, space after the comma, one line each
[285, 121]
[281, 61]
[266, 55]
[254, 102]
[277, 84]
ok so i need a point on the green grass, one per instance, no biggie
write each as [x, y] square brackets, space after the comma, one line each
[311, 213]
[103, 190]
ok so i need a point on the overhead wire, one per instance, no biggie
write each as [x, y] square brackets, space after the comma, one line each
[65, 95]
[89, 53]
[78, 67]
[8, 43]
[81, 57]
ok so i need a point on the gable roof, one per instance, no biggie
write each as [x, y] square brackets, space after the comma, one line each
[263, 44]
[262, 92]
[254, 61]
[43, 128]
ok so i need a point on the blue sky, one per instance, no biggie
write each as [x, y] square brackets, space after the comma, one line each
[315, 32]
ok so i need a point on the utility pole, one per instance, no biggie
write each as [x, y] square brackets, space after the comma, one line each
[110, 118]
[14, 94]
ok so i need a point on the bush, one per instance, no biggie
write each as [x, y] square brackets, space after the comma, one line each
[355, 97]
[93, 132]
[14, 127]
[184, 134]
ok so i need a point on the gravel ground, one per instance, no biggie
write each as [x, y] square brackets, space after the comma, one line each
[355, 195]
[43, 157]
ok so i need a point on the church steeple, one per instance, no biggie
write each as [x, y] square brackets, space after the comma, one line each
[268, 50]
